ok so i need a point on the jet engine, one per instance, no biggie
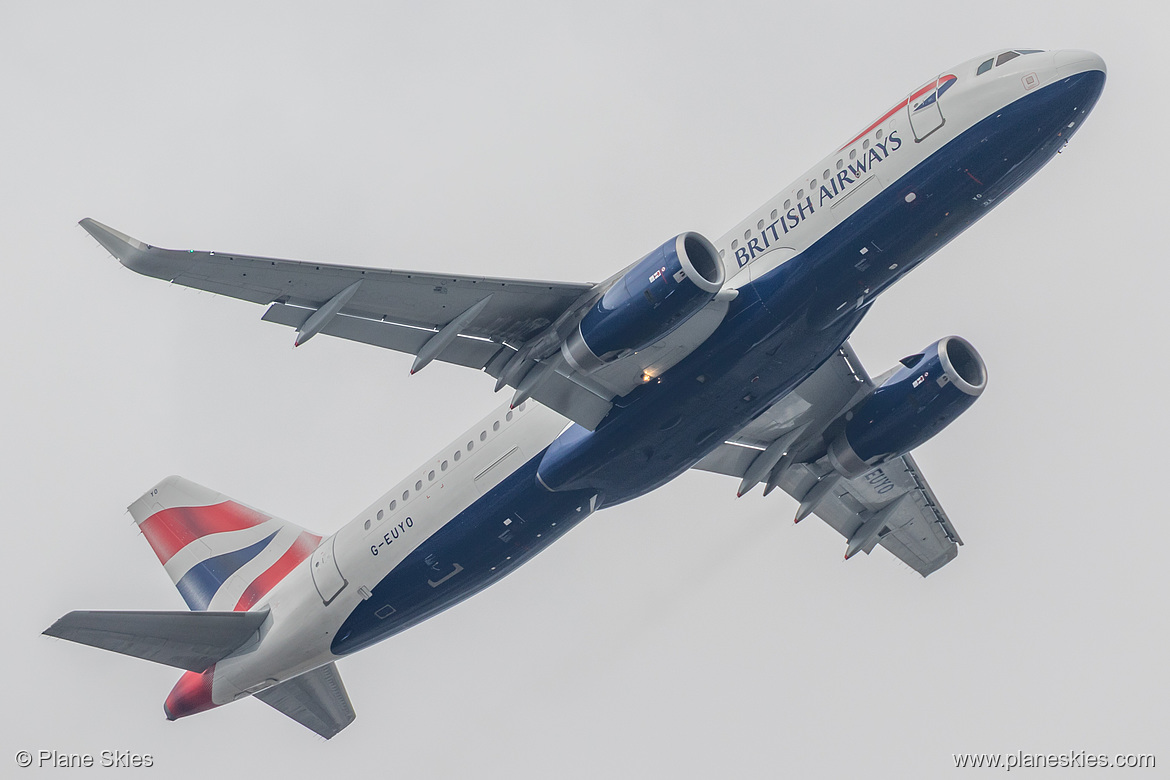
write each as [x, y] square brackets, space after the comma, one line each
[656, 295]
[921, 398]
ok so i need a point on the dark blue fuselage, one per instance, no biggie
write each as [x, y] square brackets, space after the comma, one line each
[779, 330]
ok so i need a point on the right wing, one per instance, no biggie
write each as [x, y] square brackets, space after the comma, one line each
[511, 329]
[474, 321]
[317, 700]
[409, 300]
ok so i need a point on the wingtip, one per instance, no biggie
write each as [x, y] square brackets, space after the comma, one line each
[115, 242]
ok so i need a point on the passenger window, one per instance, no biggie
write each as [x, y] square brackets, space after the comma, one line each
[1005, 57]
[508, 417]
[381, 514]
[405, 495]
[431, 476]
[986, 66]
[456, 455]
[787, 205]
[760, 225]
[775, 214]
[418, 485]
[393, 505]
[496, 425]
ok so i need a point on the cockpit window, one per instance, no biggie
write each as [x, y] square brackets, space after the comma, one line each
[1007, 56]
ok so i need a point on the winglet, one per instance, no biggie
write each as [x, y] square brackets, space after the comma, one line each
[116, 243]
[136, 255]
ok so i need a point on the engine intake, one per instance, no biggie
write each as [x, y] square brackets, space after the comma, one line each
[656, 295]
[920, 399]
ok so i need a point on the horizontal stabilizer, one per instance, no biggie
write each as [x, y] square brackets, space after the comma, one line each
[317, 700]
[187, 640]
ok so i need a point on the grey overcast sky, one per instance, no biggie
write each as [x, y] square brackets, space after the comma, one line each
[687, 634]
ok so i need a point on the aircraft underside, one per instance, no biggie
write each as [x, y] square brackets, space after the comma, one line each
[725, 357]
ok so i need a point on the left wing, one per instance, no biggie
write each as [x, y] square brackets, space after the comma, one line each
[890, 504]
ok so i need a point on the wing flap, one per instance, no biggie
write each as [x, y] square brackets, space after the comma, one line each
[317, 700]
[463, 351]
[918, 532]
[186, 640]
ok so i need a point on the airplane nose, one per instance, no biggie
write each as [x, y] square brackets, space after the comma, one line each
[1069, 62]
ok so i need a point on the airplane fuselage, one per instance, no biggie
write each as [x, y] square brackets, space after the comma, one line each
[807, 265]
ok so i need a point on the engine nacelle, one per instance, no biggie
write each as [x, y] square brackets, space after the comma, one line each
[659, 293]
[930, 390]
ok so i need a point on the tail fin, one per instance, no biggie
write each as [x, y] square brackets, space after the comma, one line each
[221, 555]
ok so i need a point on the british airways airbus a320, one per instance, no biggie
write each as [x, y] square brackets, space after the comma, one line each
[728, 356]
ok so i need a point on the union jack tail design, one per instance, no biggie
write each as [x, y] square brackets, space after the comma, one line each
[221, 555]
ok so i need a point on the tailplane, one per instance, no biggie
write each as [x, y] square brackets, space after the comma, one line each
[224, 558]
[219, 553]
[186, 640]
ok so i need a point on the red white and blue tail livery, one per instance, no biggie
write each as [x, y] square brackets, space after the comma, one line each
[221, 555]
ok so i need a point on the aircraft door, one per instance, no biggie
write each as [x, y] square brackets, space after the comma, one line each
[327, 576]
[925, 112]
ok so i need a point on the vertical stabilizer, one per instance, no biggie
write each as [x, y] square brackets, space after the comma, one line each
[221, 554]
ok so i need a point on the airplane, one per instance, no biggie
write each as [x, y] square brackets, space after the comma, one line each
[729, 356]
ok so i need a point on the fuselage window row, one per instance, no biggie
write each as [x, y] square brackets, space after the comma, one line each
[443, 466]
